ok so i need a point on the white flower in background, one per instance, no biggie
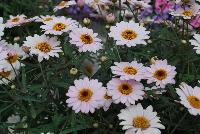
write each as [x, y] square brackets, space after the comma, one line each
[86, 95]
[45, 18]
[99, 5]
[14, 54]
[3, 50]
[190, 98]
[107, 102]
[186, 13]
[196, 43]
[139, 4]
[125, 91]
[43, 46]
[129, 70]
[86, 40]
[156, 90]
[59, 25]
[64, 4]
[6, 75]
[16, 21]
[2, 26]
[129, 33]
[137, 120]
[161, 73]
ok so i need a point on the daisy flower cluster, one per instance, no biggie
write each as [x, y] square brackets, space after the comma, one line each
[102, 69]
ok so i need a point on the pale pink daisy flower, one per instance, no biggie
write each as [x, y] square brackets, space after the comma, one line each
[86, 40]
[45, 18]
[2, 26]
[43, 46]
[15, 21]
[129, 70]
[196, 42]
[161, 73]
[125, 91]
[59, 25]
[64, 4]
[86, 95]
[137, 120]
[190, 98]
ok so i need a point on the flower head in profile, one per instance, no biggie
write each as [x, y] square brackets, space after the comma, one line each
[137, 120]
[125, 91]
[86, 95]
[129, 33]
[190, 98]
[64, 4]
[196, 43]
[16, 21]
[6, 75]
[107, 102]
[129, 70]
[43, 46]
[45, 18]
[86, 40]
[161, 73]
[59, 25]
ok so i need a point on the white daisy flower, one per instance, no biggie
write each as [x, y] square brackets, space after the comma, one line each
[125, 91]
[129, 33]
[14, 54]
[64, 4]
[137, 120]
[107, 102]
[161, 73]
[86, 40]
[6, 76]
[3, 50]
[139, 4]
[59, 25]
[2, 26]
[196, 43]
[43, 46]
[98, 5]
[45, 18]
[127, 71]
[190, 98]
[86, 95]
[186, 13]
[16, 21]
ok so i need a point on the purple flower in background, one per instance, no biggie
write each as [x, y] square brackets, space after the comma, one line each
[195, 22]
[163, 6]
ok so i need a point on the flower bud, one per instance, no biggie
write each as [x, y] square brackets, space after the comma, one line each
[153, 59]
[73, 71]
[86, 21]
[110, 18]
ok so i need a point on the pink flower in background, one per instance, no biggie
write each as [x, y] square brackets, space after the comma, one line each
[163, 6]
[195, 22]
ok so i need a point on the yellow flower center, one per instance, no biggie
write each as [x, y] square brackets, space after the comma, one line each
[87, 39]
[160, 74]
[141, 122]
[130, 70]
[129, 34]
[194, 101]
[44, 47]
[48, 19]
[16, 19]
[187, 13]
[12, 58]
[107, 97]
[62, 3]
[85, 94]
[4, 74]
[59, 26]
[125, 88]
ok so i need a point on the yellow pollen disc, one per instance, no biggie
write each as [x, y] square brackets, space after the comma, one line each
[62, 3]
[130, 70]
[44, 47]
[4, 74]
[194, 101]
[160, 74]
[59, 26]
[188, 13]
[16, 19]
[85, 94]
[48, 19]
[129, 34]
[107, 97]
[125, 88]
[141, 122]
[12, 58]
[87, 39]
